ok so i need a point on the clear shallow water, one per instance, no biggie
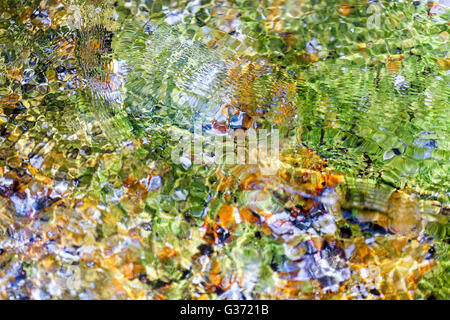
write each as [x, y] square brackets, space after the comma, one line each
[95, 96]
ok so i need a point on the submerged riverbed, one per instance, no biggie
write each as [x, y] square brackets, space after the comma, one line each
[224, 149]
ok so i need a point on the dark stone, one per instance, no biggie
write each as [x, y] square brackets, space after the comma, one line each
[374, 292]
[143, 278]
[205, 249]
[396, 151]
[430, 254]
[60, 69]
[185, 274]
[345, 232]
[303, 225]
[21, 275]
[326, 281]
[219, 290]
[223, 234]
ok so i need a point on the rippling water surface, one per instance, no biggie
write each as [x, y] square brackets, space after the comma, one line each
[97, 96]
